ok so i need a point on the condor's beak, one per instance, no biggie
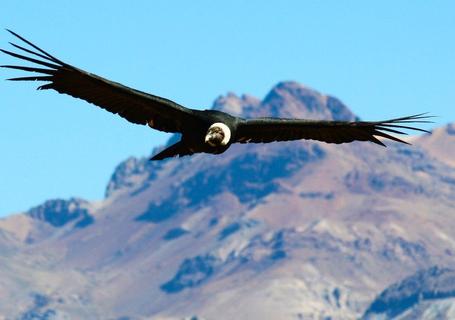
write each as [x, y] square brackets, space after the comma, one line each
[209, 139]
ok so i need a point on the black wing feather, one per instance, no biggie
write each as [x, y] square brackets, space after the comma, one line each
[274, 129]
[133, 105]
[30, 69]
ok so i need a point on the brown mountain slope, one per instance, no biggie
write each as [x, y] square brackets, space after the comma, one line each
[296, 230]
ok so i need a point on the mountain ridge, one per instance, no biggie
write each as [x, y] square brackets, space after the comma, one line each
[255, 232]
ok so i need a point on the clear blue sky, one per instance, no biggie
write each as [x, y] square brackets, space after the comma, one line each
[382, 58]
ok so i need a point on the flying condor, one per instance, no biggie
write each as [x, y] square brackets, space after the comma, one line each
[208, 131]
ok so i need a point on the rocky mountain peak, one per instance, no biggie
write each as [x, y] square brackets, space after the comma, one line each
[59, 212]
[440, 143]
[290, 99]
[287, 99]
[235, 105]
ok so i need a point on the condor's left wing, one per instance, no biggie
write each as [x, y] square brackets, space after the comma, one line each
[275, 129]
[133, 105]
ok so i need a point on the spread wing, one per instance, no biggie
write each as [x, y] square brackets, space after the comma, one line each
[133, 105]
[273, 129]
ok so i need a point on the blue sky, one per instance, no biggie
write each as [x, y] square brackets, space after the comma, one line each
[382, 58]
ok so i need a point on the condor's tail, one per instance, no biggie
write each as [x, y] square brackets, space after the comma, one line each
[177, 149]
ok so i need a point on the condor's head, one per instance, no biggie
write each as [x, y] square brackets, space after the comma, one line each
[218, 134]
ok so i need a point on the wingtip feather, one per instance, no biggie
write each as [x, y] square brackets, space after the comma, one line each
[19, 56]
[388, 136]
[33, 78]
[377, 141]
[48, 55]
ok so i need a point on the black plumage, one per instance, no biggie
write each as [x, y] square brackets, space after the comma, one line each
[208, 131]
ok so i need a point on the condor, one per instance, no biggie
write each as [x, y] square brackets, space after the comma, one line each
[207, 131]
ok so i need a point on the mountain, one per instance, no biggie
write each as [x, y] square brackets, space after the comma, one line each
[294, 230]
[440, 144]
[428, 294]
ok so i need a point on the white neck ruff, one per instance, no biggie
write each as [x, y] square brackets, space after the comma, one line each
[226, 131]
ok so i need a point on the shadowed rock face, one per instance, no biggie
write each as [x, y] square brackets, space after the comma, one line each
[451, 129]
[426, 285]
[294, 230]
[192, 272]
[174, 233]
[38, 310]
[60, 212]
[249, 177]
[132, 171]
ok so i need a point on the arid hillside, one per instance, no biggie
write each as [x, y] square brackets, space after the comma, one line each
[295, 230]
